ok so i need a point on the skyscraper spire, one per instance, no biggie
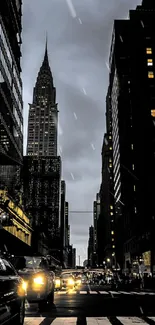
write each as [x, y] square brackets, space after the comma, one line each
[46, 61]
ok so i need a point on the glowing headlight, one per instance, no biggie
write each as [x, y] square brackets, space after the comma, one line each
[24, 285]
[22, 289]
[39, 280]
[57, 282]
[70, 282]
[78, 281]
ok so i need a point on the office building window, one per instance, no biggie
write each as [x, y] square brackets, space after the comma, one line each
[150, 74]
[153, 112]
[149, 50]
[149, 62]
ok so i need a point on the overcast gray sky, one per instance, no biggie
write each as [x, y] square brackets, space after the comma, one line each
[79, 37]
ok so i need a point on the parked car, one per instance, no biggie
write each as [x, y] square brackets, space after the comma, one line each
[39, 280]
[12, 294]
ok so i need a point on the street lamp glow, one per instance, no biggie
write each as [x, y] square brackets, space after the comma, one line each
[108, 259]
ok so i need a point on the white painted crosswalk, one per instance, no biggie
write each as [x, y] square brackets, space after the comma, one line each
[89, 321]
[111, 293]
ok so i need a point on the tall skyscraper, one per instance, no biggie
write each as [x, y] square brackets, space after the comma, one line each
[11, 104]
[132, 102]
[42, 166]
[43, 114]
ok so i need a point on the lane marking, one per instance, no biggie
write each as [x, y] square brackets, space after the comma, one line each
[83, 292]
[104, 292]
[114, 292]
[93, 292]
[62, 292]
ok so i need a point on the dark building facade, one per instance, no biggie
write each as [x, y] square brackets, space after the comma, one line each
[11, 104]
[132, 102]
[106, 226]
[91, 246]
[41, 177]
[43, 114]
[96, 214]
[71, 257]
[64, 224]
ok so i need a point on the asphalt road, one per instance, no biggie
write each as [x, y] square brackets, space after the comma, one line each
[97, 305]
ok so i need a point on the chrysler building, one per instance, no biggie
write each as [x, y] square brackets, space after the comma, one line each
[43, 114]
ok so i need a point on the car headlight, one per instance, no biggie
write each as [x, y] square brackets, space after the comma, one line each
[57, 282]
[78, 282]
[39, 280]
[22, 289]
[70, 282]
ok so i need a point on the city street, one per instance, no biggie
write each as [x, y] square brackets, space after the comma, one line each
[92, 305]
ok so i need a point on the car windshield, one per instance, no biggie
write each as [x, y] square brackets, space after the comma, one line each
[66, 276]
[30, 262]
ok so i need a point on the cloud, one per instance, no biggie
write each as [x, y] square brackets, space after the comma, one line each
[78, 54]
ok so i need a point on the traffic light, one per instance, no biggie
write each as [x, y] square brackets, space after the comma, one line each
[6, 220]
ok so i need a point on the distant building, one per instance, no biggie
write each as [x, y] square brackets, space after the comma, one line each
[71, 257]
[11, 103]
[96, 214]
[85, 263]
[91, 246]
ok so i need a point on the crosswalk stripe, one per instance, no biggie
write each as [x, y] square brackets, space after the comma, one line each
[131, 320]
[104, 292]
[97, 321]
[83, 292]
[89, 321]
[93, 292]
[125, 292]
[115, 292]
[62, 292]
[33, 320]
[65, 321]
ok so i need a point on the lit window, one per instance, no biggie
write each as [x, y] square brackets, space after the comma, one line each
[112, 239]
[110, 148]
[113, 246]
[134, 188]
[112, 232]
[110, 165]
[133, 166]
[149, 62]
[111, 213]
[111, 207]
[110, 160]
[132, 146]
[112, 220]
[113, 254]
[153, 112]
[135, 210]
[149, 50]
[150, 74]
